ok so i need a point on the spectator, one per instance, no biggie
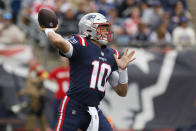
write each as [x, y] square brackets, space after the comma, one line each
[161, 35]
[58, 4]
[68, 23]
[16, 6]
[177, 13]
[61, 76]
[104, 6]
[166, 20]
[152, 16]
[10, 33]
[91, 6]
[169, 4]
[82, 9]
[2, 5]
[36, 91]
[24, 22]
[1, 18]
[125, 8]
[3, 110]
[116, 22]
[183, 34]
[131, 24]
[38, 4]
[143, 32]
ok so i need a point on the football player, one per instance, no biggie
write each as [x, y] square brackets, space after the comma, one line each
[92, 64]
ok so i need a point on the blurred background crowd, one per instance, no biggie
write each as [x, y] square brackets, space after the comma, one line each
[141, 23]
[145, 21]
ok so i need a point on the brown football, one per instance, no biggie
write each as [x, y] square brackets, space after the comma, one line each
[47, 18]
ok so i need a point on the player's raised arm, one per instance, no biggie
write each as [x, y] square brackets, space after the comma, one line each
[56, 40]
[48, 23]
[119, 80]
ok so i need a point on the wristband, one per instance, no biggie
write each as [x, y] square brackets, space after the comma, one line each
[47, 30]
[123, 76]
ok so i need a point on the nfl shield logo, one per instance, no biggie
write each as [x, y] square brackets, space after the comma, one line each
[73, 112]
[102, 54]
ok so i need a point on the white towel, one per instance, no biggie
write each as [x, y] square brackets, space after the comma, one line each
[94, 124]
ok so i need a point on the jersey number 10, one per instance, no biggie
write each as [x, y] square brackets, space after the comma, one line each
[99, 75]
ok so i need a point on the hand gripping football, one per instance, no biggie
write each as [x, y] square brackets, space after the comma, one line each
[47, 18]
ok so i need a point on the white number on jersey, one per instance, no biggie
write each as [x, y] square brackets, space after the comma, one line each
[98, 75]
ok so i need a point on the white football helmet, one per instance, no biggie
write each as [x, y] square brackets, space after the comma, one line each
[88, 27]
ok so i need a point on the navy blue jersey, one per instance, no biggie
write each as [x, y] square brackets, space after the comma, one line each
[90, 68]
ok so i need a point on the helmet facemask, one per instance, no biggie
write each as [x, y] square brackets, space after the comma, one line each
[104, 34]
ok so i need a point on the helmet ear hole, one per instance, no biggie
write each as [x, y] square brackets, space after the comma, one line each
[89, 30]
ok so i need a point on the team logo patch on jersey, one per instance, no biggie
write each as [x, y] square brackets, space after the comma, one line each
[72, 40]
[102, 58]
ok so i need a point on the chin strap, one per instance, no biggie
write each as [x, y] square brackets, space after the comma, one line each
[102, 42]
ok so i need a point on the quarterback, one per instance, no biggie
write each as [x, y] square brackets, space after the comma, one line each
[92, 64]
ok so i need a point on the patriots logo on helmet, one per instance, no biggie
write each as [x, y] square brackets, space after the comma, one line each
[91, 17]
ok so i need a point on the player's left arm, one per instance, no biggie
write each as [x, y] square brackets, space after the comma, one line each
[119, 79]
